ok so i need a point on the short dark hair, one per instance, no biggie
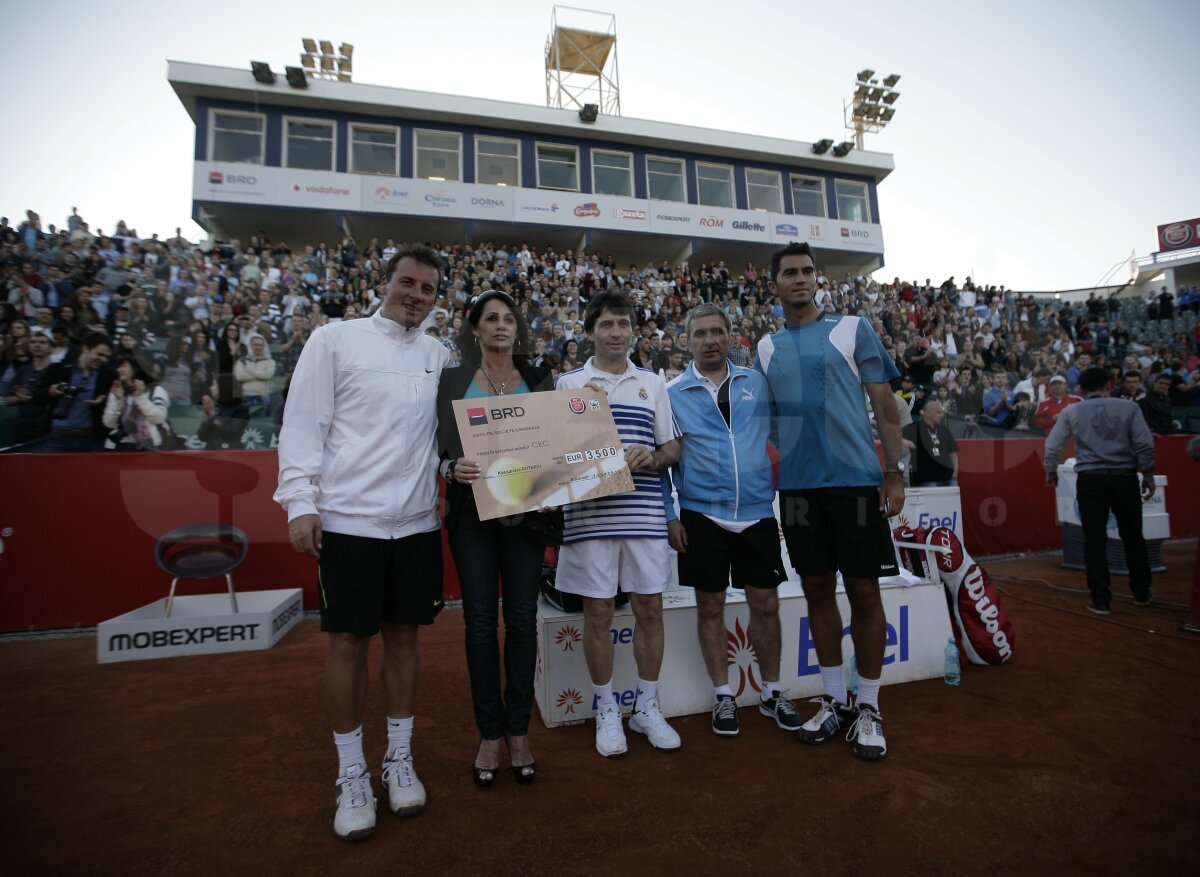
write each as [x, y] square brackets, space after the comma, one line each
[617, 302]
[1093, 379]
[795, 248]
[419, 253]
[1133, 373]
[95, 339]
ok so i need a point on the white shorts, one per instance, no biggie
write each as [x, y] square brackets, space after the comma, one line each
[594, 567]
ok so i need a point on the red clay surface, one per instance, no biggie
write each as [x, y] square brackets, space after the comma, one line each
[1079, 757]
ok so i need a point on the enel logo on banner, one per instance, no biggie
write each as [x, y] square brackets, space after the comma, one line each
[809, 666]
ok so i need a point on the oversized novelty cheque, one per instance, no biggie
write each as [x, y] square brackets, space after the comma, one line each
[537, 450]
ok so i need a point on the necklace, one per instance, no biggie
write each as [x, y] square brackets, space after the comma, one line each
[499, 391]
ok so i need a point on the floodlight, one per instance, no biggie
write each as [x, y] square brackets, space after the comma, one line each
[326, 47]
[862, 91]
[890, 97]
[885, 115]
[326, 64]
[343, 77]
[870, 111]
[344, 66]
[876, 93]
[347, 51]
[589, 113]
[843, 149]
[860, 110]
[262, 72]
[296, 77]
[308, 62]
[310, 46]
[865, 75]
[891, 81]
[822, 146]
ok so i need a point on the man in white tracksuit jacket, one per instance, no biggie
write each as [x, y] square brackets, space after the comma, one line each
[357, 476]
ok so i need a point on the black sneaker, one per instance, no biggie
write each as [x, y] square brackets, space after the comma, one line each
[831, 719]
[1145, 601]
[782, 710]
[866, 734]
[1095, 607]
[724, 716]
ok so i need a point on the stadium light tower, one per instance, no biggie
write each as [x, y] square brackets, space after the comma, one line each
[321, 61]
[872, 106]
[581, 63]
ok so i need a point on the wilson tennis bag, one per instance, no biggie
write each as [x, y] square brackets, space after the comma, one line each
[980, 621]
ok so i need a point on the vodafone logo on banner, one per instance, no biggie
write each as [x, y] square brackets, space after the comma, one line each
[1179, 235]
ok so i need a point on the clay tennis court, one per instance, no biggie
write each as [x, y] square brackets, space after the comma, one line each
[1079, 757]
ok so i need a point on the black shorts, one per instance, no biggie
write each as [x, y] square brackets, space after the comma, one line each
[362, 582]
[837, 528]
[713, 554]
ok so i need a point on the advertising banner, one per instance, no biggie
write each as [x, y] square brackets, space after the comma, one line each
[1179, 235]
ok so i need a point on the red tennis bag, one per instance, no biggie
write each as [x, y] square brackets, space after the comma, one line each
[980, 621]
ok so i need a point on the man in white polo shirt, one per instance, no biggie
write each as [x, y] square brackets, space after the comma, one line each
[621, 541]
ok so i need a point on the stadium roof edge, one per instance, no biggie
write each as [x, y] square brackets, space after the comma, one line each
[191, 81]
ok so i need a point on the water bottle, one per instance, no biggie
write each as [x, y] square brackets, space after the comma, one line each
[953, 668]
[852, 682]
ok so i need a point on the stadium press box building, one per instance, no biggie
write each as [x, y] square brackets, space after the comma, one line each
[314, 163]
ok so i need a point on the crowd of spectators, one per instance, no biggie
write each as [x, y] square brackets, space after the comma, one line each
[220, 326]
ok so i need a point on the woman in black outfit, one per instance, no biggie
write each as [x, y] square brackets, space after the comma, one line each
[495, 352]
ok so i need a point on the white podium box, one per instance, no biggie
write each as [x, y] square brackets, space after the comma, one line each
[200, 625]
[1156, 523]
[918, 626]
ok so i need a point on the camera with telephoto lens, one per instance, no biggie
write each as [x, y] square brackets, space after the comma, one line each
[69, 392]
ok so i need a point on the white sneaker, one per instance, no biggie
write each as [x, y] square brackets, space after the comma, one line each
[866, 734]
[610, 736]
[648, 719]
[406, 794]
[355, 817]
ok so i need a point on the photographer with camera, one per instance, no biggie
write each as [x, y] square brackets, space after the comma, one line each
[77, 389]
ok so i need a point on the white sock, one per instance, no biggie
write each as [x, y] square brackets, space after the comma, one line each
[770, 689]
[722, 689]
[868, 692]
[350, 750]
[834, 680]
[399, 733]
[645, 691]
[604, 695]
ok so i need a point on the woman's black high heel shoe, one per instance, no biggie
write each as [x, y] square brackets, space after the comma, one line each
[484, 776]
[525, 773]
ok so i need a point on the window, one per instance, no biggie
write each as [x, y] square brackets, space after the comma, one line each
[374, 150]
[236, 137]
[764, 191]
[664, 179]
[438, 155]
[612, 173]
[714, 184]
[852, 201]
[808, 196]
[558, 167]
[308, 144]
[497, 162]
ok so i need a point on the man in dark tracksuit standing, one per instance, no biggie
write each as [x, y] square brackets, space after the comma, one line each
[1112, 442]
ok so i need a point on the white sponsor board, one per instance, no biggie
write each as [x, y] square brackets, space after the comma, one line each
[285, 187]
[918, 626]
[1156, 524]
[931, 507]
[200, 625]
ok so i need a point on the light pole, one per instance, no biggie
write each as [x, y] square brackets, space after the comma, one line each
[872, 106]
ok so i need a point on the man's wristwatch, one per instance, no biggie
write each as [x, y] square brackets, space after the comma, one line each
[449, 476]
[898, 468]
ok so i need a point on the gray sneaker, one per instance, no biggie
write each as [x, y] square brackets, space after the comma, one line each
[783, 711]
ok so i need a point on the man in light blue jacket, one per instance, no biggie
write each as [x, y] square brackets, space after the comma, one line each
[726, 529]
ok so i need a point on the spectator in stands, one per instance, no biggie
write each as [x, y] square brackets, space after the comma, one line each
[1156, 406]
[32, 416]
[1023, 412]
[76, 391]
[1048, 411]
[1131, 387]
[998, 403]
[935, 450]
[254, 372]
[135, 409]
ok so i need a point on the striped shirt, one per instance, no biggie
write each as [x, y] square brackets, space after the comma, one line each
[642, 411]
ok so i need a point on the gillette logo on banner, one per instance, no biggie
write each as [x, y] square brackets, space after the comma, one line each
[808, 665]
[477, 416]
